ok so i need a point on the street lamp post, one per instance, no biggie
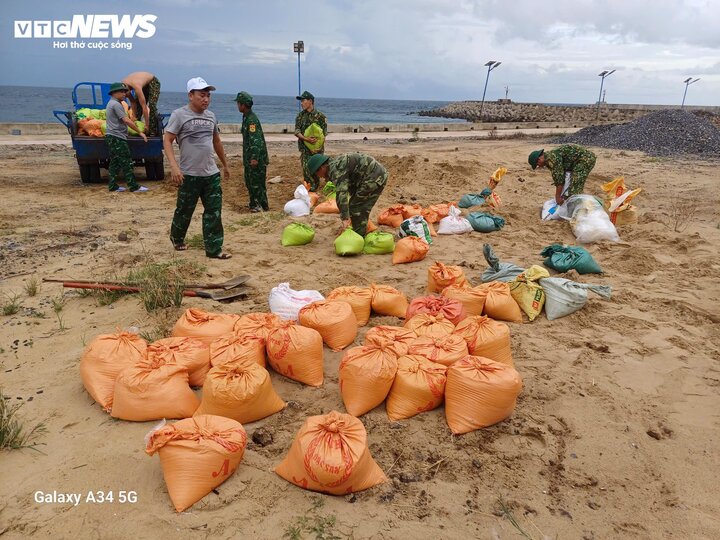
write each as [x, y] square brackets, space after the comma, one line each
[687, 82]
[492, 64]
[604, 74]
[299, 47]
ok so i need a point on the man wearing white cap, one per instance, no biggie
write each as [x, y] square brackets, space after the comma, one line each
[198, 177]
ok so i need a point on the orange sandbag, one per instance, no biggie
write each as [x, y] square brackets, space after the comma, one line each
[296, 352]
[197, 455]
[234, 347]
[432, 230]
[387, 300]
[442, 210]
[486, 337]
[328, 206]
[155, 388]
[392, 217]
[91, 126]
[424, 324]
[103, 360]
[314, 197]
[330, 454]
[419, 386]
[453, 310]
[410, 249]
[258, 324]
[431, 216]
[203, 325]
[410, 210]
[479, 393]
[441, 275]
[472, 298]
[400, 338]
[445, 350]
[499, 303]
[370, 227]
[334, 319]
[359, 298]
[189, 352]
[240, 390]
[366, 374]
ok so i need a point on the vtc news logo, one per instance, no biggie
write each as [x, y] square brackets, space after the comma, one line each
[89, 27]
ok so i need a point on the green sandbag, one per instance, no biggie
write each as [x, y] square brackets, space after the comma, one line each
[297, 234]
[484, 222]
[349, 243]
[564, 258]
[379, 243]
[140, 124]
[314, 130]
[471, 199]
[329, 190]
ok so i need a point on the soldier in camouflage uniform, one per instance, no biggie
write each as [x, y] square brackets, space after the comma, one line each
[308, 115]
[359, 180]
[255, 155]
[568, 158]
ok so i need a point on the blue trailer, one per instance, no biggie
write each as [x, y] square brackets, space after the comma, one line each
[92, 152]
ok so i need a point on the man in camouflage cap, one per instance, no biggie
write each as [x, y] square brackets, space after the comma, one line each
[255, 155]
[359, 180]
[569, 159]
[308, 115]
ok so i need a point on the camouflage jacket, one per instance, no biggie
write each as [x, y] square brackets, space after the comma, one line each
[350, 173]
[253, 140]
[569, 157]
[303, 121]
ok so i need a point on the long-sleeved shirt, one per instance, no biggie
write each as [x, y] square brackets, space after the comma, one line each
[352, 174]
[303, 121]
[570, 158]
[253, 140]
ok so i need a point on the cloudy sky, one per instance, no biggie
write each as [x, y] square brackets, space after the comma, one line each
[396, 49]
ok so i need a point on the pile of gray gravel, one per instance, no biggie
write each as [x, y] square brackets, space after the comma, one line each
[662, 133]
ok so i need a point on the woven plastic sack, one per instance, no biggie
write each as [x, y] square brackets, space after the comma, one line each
[415, 226]
[441, 275]
[527, 292]
[256, 324]
[189, 352]
[334, 319]
[392, 216]
[589, 221]
[240, 390]
[379, 243]
[410, 210]
[471, 298]
[286, 302]
[297, 234]
[410, 249]
[314, 130]
[564, 258]
[471, 199]
[387, 300]
[486, 337]
[103, 360]
[398, 337]
[297, 353]
[451, 309]
[419, 386]
[330, 454]
[349, 243]
[484, 222]
[301, 204]
[197, 455]
[441, 210]
[366, 374]
[563, 296]
[479, 393]
[424, 324]
[359, 298]
[431, 216]
[238, 347]
[445, 350]
[454, 223]
[152, 390]
[204, 325]
[498, 271]
[328, 206]
[499, 303]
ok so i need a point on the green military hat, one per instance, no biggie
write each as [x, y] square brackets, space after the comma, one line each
[244, 98]
[534, 156]
[117, 87]
[306, 95]
[315, 162]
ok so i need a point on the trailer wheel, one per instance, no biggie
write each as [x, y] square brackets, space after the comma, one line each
[85, 173]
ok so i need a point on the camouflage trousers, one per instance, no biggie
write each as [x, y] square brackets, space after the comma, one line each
[580, 173]
[121, 163]
[255, 183]
[304, 158]
[209, 191]
[151, 91]
[362, 201]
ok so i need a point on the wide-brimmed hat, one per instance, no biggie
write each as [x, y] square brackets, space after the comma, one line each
[534, 156]
[117, 87]
[316, 161]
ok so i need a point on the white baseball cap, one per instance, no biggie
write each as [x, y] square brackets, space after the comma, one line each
[198, 83]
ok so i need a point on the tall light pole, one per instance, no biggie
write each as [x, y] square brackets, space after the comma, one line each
[492, 64]
[687, 82]
[299, 48]
[604, 74]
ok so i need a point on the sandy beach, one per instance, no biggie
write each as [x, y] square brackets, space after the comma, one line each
[615, 433]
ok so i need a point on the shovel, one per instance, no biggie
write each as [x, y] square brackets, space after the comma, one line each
[229, 284]
[237, 292]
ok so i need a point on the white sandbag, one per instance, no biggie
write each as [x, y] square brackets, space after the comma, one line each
[300, 205]
[590, 222]
[498, 271]
[286, 303]
[454, 223]
[564, 296]
[553, 210]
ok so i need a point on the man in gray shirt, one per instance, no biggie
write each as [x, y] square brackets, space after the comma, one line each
[116, 132]
[197, 176]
